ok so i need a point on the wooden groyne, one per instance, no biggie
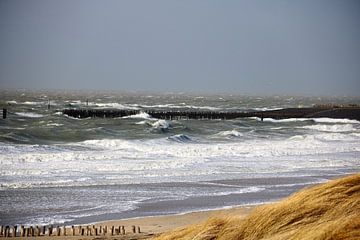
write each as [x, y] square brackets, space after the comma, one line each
[313, 112]
[88, 230]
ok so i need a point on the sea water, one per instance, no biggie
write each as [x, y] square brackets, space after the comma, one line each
[58, 169]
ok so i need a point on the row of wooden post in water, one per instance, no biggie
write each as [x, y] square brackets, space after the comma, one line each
[172, 115]
[310, 112]
[37, 231]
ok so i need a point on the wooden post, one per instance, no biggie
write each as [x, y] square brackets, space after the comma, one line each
[49, 104]
[64, 230]
[38, 229]
[112, 230]
[138, 228]
[133, 229]
[73, 230]
[4, 113]
[96, 231]
[26, 232]
[50, 230]
[14, 229]
[123, 230]
[80, 230]
[100, 229]
[43, 230]
[58, 230]
[105, 230]
[6, 231]
[22, 231]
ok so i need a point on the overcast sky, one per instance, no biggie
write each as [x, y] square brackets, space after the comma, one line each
[254, 47]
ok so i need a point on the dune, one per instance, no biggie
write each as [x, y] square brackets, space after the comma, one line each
[326, 211]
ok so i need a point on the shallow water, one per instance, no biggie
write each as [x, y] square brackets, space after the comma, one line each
[56, 169]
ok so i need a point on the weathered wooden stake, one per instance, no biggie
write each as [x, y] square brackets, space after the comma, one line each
[73, 230]
[15, 231]
[105, 230]
[82, 231]
[123, 230]
[133, 229]
[64, 230]
[138, 228]
[50, 230]
[38, 230]
[4, 113]
[22, 231]
[7, 230]
[112, 230]
[43, 230]
[58, 231]
[96, 232]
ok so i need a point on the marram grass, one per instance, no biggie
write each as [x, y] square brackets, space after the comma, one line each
[326, 211]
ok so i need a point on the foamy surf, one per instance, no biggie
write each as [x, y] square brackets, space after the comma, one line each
[29, 114]
[64, 170]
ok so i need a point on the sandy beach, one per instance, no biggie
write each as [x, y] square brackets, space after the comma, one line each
[153, 226]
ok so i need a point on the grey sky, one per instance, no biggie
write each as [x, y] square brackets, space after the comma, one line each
[256, 47]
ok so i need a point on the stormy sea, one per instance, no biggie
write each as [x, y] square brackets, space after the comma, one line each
[55, 169]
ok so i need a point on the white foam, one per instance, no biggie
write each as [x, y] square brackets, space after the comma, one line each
[115, 105]
[232, 133]
[239, 191]
[29, 114]
[181, 105]
[331, 128]
[161, 124]
[54, 124]
[144, 122]
[11, 102]
[143, 115]
[117, 161]
[281, 120]
[266, 108]
[318, 120]
[334, 120]
[33, 103]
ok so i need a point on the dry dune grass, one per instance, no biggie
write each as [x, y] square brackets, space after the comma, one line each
[326, 211]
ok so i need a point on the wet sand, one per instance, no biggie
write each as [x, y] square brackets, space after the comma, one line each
[153, 226]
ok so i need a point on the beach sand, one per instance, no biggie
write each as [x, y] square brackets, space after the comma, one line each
[152, 226]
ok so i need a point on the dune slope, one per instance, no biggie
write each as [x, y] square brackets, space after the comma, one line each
[325, 211]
